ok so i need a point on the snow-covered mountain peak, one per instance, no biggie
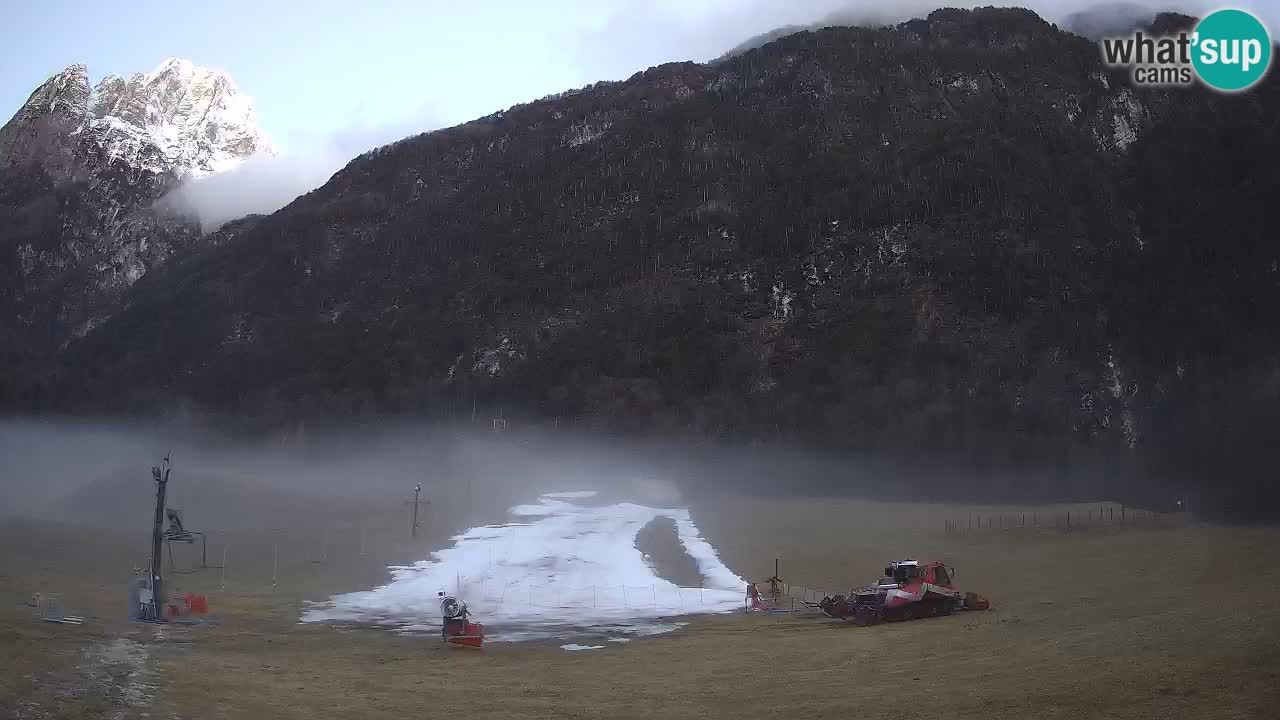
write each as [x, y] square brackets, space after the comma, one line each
[180, 118]
[172, 65]
[195, 116]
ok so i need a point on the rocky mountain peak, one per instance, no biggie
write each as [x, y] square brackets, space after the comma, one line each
[66, 91]
[81, 169]
[41, 128]
[181, 119]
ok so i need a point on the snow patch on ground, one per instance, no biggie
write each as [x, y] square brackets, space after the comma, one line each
[557, 570]
[116, 675]
[573, 647]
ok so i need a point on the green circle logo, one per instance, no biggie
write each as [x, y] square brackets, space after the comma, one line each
[1231, 50]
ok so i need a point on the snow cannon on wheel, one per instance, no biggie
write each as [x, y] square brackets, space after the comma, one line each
[909, 590]
[456, 627]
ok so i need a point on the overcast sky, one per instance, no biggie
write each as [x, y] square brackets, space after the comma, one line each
[331, 79]
[349, 72]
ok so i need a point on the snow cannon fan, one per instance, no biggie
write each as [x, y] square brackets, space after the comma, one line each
[456, 627]
[453, 608]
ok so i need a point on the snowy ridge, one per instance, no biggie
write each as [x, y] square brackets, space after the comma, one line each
[560, 570]
[194, 117]
[181, 118]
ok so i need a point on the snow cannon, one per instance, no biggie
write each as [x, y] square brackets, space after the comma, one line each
[456, 627]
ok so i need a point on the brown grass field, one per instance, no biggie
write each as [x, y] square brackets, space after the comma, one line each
[1159, 619]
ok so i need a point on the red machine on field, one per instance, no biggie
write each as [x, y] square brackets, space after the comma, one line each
[456, 628]
[908, 590]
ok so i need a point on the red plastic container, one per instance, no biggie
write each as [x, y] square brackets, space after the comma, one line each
[197, 604]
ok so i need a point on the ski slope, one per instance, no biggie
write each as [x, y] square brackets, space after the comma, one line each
[560, 568]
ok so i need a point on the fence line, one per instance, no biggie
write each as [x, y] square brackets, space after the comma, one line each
[1108, 515]
[271, 564]
[293, 557]
[488, 591]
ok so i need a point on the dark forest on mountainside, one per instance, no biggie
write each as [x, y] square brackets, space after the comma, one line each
[960, 237]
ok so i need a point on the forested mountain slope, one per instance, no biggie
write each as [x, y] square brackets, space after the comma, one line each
[960, 236]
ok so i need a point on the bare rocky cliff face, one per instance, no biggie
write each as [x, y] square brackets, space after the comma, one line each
[81, 168]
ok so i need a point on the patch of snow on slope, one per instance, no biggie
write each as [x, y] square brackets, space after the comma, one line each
[586, 132]
[558, 570]
[491, 359]
[1127, 119]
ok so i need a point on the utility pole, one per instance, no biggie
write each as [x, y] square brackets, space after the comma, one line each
[417, 489]
[161, 476]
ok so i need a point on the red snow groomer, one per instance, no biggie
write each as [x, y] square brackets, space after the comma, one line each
[909, 590]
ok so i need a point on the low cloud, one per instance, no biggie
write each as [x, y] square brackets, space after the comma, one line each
[640, 33]
[260, 185]
[263, 184]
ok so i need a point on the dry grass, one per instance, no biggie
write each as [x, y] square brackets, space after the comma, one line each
[1155, 622]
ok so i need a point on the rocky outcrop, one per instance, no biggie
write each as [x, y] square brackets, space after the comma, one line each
[44, 131]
